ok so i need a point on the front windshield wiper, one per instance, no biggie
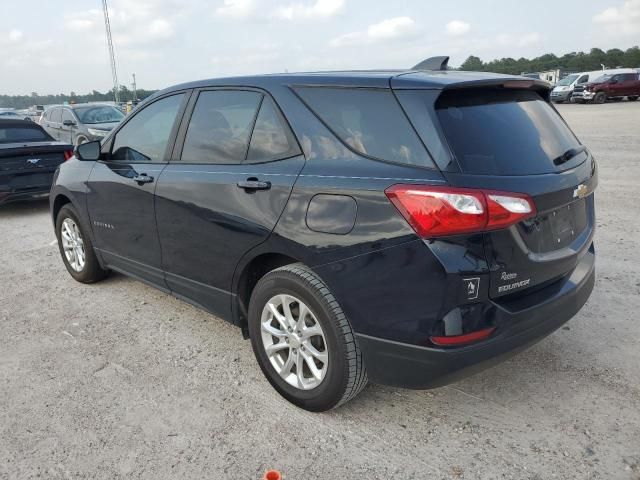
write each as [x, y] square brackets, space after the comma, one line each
[569, 154]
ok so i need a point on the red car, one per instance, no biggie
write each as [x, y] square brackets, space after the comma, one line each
[609, 86]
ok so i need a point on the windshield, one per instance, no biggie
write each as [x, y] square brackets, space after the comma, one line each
[23, 134]
[566, 81]
[505, 132]
[98, 114]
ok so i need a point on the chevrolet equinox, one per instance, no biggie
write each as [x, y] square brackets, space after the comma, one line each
[405, 227]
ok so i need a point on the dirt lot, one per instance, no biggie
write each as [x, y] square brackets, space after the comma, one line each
[118, 380]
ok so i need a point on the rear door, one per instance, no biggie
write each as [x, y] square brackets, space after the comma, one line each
[224, 192]
[513, 140]
[630, 84]
[52, 122]
[121, 189]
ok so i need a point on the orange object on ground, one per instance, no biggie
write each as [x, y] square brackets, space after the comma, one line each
[272, 475]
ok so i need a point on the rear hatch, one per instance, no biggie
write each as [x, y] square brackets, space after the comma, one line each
[510, 139]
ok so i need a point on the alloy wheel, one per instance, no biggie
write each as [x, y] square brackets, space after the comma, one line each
[294, 342]
[72, 244]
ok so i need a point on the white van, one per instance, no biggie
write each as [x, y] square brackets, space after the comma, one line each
[565, 87]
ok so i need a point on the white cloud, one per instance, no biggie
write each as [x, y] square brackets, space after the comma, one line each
[236, 9]
[389, 29]
[15, 35]
[456, 28]
[133, 24]
[319, 9]
[623, 20]
[528, 39]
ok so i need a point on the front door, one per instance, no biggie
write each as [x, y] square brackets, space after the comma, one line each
[225, 193]
[121, 190]
[68, 126]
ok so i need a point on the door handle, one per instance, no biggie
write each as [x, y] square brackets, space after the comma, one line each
[142, 179]
[252, 184]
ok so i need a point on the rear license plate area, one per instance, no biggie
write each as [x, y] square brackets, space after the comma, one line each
[556, 229]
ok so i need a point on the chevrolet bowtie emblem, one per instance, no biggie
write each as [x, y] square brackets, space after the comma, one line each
[581, 192]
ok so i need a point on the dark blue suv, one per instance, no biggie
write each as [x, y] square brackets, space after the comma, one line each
[404, 227]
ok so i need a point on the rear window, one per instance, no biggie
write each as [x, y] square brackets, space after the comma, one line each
[370, 121]
[504, 132]
[22, 134]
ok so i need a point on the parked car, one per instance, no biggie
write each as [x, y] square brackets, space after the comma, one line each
[563, 92]
[407, 227]
[80, 123]
[28, 159]
[607, 87]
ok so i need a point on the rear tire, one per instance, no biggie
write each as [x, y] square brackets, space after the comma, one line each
[632, 99]
[600, 98]
[76, 248]
[309, 304]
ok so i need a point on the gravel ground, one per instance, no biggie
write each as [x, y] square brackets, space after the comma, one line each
[118, 380]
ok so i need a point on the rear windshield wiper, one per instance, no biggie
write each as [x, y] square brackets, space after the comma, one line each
[569, 154]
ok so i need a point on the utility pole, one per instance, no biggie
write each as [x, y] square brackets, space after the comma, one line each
[135, 93]
[112, 55]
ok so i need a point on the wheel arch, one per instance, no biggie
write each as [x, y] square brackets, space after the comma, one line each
[59, 201]
[247, 277]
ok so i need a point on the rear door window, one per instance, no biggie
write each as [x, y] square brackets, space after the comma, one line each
[369, 121]
[56, 115]
[271, 138]
[505, 132]
[220, 127]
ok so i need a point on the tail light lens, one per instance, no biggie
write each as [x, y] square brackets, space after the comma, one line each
[467, 338]
[68, 154]
[440, 211]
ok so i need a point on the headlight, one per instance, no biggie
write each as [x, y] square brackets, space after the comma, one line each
[98, 133]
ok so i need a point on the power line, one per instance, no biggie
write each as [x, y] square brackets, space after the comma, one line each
[112, 55]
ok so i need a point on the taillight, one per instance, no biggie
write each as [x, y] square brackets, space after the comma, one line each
[439, 211]
[68, 154]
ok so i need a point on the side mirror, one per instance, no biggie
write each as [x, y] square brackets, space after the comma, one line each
[69, 123]
[613, 81]
[88, 151]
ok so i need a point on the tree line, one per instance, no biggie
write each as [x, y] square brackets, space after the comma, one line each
[26, 101]
[573, 62]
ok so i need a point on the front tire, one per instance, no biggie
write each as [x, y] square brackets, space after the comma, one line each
[600, 98]
[303, 341]
[76, 248]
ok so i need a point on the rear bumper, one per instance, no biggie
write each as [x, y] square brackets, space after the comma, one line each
[16, 186]
[584, 96]
[410, 366]
[561, 96]
[8, 197]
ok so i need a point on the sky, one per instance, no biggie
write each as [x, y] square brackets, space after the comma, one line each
[59, 46]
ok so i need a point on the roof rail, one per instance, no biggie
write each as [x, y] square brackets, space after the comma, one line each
[433, 63]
